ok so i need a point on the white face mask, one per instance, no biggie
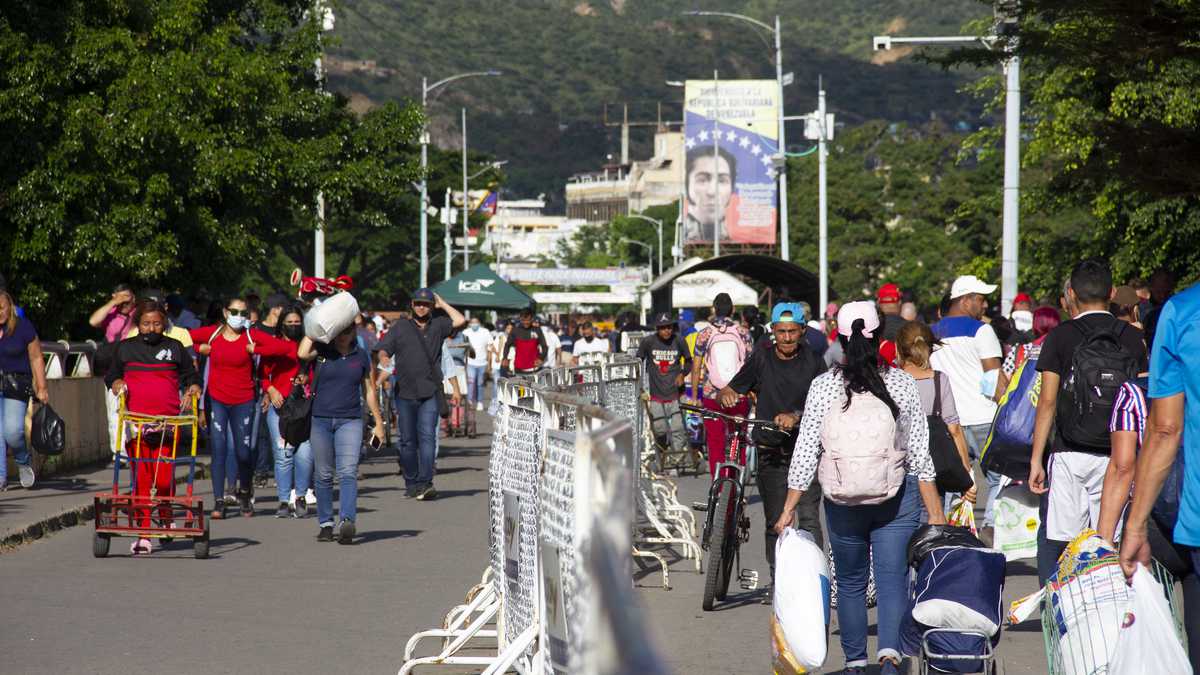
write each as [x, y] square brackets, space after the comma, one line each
[238, 322]
[474, 326]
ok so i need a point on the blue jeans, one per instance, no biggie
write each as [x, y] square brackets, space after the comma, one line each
[476, 381]
[418, 439]
[495, 383]
[293, 466]
[882, 530]
[976, 435]
[335, 445]
[229, 425]
[12, 426]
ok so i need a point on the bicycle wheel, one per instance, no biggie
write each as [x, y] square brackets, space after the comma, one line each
[720, 547]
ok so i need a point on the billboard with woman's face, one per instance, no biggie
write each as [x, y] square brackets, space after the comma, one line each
[731, 137]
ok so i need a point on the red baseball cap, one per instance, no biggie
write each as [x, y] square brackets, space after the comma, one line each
[888, 293]
[1023, 297]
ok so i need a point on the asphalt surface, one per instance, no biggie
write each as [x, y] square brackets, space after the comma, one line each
[274, 600]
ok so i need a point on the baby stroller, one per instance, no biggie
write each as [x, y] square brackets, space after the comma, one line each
[955, 602]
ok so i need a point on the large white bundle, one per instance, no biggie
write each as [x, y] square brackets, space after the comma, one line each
[325, 320]
[802, 596]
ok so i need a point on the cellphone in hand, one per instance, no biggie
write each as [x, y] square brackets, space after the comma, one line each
[376, 442]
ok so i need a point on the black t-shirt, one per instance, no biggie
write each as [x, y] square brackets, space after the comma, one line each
[781, 384]
[1058, 350]
[663, 367]
[892, 323]
[417, 376]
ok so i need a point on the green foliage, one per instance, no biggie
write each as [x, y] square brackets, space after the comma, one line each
[1114, 125]
[565, 60]
[176, 143]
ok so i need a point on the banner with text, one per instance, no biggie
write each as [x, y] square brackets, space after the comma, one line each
[731, 137]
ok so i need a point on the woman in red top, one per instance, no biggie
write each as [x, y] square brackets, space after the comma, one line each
[293, 466]
[149, 370]
[230, 347]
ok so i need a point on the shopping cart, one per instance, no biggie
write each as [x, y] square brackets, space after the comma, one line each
[149, 507]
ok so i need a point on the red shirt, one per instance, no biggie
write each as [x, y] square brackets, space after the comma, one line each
[230, 366]
[278, 370]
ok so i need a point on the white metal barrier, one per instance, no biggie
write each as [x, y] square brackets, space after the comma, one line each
[563, 493]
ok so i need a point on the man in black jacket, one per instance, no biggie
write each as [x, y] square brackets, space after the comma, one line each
[779, 378]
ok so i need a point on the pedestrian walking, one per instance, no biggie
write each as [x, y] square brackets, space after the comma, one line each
[22, 375]
[150, 370]
[721, 350]
[971, 355]
[114, 319]
[278, 373]
[1174, 420]
[496, 360]
[855, 416]
[779, 377]
[478, 339]
[230, 347]
[342, 380]
[526, 347]
[666, 358]
[589, 343]
[1083, 363]
[415, 347]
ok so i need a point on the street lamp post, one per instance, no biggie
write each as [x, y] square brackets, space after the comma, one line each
[426, 89]
[659, 225]
[1012, 151]
[784, 247]
[325, 16]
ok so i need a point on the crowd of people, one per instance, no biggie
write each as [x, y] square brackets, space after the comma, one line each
[1117, 392]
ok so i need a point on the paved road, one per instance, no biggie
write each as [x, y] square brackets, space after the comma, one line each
[272, 599]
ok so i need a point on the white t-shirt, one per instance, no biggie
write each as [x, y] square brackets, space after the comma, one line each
[553, 345]
[479, 339]
[497, 347]
[597, 345]
[966, 340]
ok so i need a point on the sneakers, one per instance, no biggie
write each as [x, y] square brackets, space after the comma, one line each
[260, 480]
[141, 546]
[230, 498]
[27, 476]
[427, 494]
[310, 497]
[301, 508]
[889, 667]
[410, 492]
[346, 532]
[479, 406]
[246, 499]
[218, 513]
[326, 533]
[284, 510]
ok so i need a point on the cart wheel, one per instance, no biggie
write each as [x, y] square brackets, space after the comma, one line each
[200, 545]
[100, 542]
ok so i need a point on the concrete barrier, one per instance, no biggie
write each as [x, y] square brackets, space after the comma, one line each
[80, 402]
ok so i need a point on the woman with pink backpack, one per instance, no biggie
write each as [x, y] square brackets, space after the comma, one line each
[865, 436]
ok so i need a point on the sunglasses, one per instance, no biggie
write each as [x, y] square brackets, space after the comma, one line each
[423, 304]
[237, 312]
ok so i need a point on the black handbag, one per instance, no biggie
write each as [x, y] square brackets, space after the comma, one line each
[17, 386]
[295, 416]
[952, 476]
[49, 435]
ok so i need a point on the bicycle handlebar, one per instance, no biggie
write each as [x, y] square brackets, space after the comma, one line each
[736, 419]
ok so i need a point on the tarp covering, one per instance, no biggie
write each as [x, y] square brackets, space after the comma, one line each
[697, 289]
[480, 288]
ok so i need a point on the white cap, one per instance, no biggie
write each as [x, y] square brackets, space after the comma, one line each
[968, 284]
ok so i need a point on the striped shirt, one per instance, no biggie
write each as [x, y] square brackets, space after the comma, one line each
[1129, 411]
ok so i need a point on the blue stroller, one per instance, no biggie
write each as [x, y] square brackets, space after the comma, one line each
[955, 603]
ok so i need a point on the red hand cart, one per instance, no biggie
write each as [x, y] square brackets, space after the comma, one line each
[149, 507]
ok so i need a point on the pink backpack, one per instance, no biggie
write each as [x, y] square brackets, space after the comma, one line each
[724, 354]
[860, 463]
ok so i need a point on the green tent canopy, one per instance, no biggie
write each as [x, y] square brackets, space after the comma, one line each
[480, 288]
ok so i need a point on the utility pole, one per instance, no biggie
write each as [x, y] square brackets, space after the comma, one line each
[716, 180]
[822, 203]
[325, 16]
[447, 214]
[465, 215]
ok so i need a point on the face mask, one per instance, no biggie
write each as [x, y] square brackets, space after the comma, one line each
[238, 322]
[151, 338]
[474, 326]
[1022, 319]
[293, 332]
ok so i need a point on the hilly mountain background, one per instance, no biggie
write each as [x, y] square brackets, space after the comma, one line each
[569, 62]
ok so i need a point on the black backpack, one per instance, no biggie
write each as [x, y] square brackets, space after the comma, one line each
[1099, 366]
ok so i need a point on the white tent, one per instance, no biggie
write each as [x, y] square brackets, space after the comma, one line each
[699, 288]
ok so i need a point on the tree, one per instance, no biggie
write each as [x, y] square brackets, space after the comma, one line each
[1110, 89]
[175, 144]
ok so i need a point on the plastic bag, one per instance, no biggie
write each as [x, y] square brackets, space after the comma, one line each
[1148, 643]
[783, 662]
[1017, 521]
[802, 597]
[49, 435]
[929, 537]
[962, 514]
[325, 320]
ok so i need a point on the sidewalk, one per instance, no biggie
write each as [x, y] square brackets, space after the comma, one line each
[57, 502]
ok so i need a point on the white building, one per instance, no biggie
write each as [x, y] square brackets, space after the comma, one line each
[520, 233]
[598, 197]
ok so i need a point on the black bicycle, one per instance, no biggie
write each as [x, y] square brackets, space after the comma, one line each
[727, 525]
